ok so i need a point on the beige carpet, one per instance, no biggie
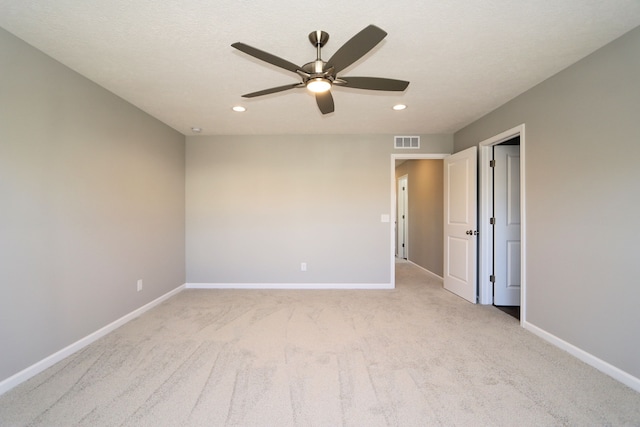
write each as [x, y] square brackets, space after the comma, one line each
[413, 356]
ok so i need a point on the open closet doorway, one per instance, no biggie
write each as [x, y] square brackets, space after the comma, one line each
[502, 243]
[505, 222]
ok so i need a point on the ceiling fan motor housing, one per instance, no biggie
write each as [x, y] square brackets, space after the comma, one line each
[319, 68]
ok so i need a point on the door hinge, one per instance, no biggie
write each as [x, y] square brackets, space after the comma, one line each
[492, 278]
[492, 163]
[492, 221]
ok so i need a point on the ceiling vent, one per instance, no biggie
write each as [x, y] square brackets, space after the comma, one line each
[407, 142]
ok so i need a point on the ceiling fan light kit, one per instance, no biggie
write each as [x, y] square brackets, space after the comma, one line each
[319, 76]
[318, 84]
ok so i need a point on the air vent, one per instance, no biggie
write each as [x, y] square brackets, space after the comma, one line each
[407, 142]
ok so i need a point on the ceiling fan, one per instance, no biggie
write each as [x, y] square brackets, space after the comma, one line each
[319, 76]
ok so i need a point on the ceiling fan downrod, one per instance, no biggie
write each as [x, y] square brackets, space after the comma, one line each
[319, 79]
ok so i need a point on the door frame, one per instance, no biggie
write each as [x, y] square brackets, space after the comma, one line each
[485, 244]
[393, 209]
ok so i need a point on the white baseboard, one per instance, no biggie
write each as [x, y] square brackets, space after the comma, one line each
[36, 368]
[604, 367]
[431, 273]
[289, 286]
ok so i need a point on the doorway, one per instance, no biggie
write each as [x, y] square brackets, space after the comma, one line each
[486, 261]
[505, 226]
[397, 158]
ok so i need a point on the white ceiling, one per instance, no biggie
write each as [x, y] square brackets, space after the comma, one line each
[174, 60]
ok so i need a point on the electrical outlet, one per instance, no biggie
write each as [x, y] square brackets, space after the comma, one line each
[303, 266]
[139, 285]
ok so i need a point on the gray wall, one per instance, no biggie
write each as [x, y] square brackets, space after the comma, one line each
[583, 200]
[426, 213]
[92, 194]
[258, 206]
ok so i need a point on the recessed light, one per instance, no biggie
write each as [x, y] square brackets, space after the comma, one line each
[196, 130]
[239, 108]
[399, 107]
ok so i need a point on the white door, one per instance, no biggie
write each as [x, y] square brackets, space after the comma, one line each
[402, 232]
[460, 222]
[506, 246]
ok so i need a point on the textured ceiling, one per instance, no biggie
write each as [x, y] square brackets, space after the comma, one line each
[174, 60]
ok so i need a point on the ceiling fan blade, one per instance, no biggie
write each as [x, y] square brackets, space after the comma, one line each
[272, 90]
[267, 57]
[373, 83]
[357, 47]
[325, 102]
